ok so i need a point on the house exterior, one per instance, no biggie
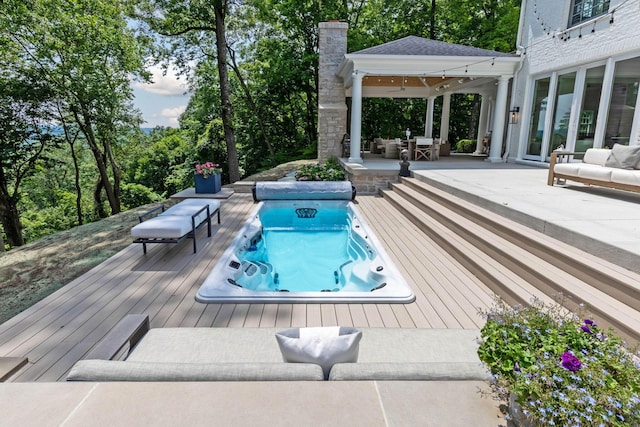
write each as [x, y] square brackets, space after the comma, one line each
[578, 84]
[572, 82]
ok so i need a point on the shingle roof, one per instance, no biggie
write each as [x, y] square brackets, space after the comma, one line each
[413, 45]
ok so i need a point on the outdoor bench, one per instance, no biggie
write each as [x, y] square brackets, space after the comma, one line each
[614, 168]
[175, 224]
[133, 352]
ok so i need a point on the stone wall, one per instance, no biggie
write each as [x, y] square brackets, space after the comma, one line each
[332, 108]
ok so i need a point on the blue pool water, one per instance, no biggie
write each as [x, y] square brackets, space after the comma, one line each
[305, 250]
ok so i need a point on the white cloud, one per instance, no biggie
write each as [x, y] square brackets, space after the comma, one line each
[165, 85]
[172, 114]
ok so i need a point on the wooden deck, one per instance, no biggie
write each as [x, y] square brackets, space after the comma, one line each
[60, 329]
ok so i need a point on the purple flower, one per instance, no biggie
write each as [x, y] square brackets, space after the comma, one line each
[516, 367]
[589, 322]
[570, 362]
[586, 329]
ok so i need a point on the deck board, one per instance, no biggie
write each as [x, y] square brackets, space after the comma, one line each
[62, 328]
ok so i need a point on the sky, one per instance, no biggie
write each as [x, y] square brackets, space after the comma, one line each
[162, 101]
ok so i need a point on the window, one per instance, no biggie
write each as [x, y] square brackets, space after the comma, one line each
[538, 116]
[622, 107]
[583, 10]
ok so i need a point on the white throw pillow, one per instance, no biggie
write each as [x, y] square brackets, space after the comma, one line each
[624, 157]
[324, 346]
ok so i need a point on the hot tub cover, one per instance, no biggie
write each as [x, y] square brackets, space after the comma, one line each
[303, 190]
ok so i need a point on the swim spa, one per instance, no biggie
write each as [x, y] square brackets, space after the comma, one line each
[305, 250]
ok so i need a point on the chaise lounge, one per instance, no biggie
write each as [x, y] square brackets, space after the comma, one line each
[177, 223]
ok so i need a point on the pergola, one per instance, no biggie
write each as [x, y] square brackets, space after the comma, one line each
[415, 67]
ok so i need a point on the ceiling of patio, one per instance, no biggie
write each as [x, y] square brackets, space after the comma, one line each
[415, 67]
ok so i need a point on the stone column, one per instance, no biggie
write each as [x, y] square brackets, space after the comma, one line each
[497, 135]
[332, 107]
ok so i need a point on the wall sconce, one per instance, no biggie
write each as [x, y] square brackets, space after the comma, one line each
[514, 115]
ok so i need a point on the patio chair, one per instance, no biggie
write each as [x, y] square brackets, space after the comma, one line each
[423, 148]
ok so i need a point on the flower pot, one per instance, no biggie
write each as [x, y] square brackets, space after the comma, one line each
[209, 185]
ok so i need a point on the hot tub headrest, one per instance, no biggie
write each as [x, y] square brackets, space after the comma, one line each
[303, 190]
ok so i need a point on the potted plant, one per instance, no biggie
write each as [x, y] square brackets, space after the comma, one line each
[559, 368]
[207, 177]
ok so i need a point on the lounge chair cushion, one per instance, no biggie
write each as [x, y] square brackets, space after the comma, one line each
[188, 207]
[322, 345]
[112, 370]
[163, 227]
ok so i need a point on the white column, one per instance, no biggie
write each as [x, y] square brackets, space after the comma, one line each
[482, 122]
[356, 117]
[495, 153]
[428, 120]
[444, 122]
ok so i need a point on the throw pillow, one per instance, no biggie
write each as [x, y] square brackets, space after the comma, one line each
[624, 157]
[324, 346]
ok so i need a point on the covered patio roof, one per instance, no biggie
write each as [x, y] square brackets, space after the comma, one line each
[415, 67]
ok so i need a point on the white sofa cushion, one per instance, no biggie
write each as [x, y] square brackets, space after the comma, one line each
[595, 172]
[596, 156]
[567, 168]
[325, 346]
[625, 176]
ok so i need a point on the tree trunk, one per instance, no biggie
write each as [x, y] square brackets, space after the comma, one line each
[252, 104]
[225, 92]
[99, 156]
[432, 21]
[9, 215]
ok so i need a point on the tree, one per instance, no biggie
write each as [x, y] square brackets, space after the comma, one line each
[86, 54]
[23, 137]
[189, 25]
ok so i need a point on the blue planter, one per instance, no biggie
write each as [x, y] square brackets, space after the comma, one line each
[209, 185]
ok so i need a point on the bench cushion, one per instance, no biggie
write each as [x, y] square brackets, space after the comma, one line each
[112, 370]
[438, 371]
[164, 227]
[189, 207]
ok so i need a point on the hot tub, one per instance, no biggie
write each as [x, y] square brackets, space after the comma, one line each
[300, 251]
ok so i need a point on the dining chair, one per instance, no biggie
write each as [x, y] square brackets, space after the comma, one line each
[423, 148]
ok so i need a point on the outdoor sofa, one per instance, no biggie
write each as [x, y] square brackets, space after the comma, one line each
[177, 223]
[133, 352]
[618, 167]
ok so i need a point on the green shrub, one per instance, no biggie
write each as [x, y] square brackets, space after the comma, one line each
[329, 171]
[466, 146]
[133, 195]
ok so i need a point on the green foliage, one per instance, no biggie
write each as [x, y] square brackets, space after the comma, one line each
[562, 368]
[466, 146]
[134, 195]
[329, 171]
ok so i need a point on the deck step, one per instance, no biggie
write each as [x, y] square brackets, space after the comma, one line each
[517, 262]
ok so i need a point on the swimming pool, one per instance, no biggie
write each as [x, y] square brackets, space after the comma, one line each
[305, 251]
